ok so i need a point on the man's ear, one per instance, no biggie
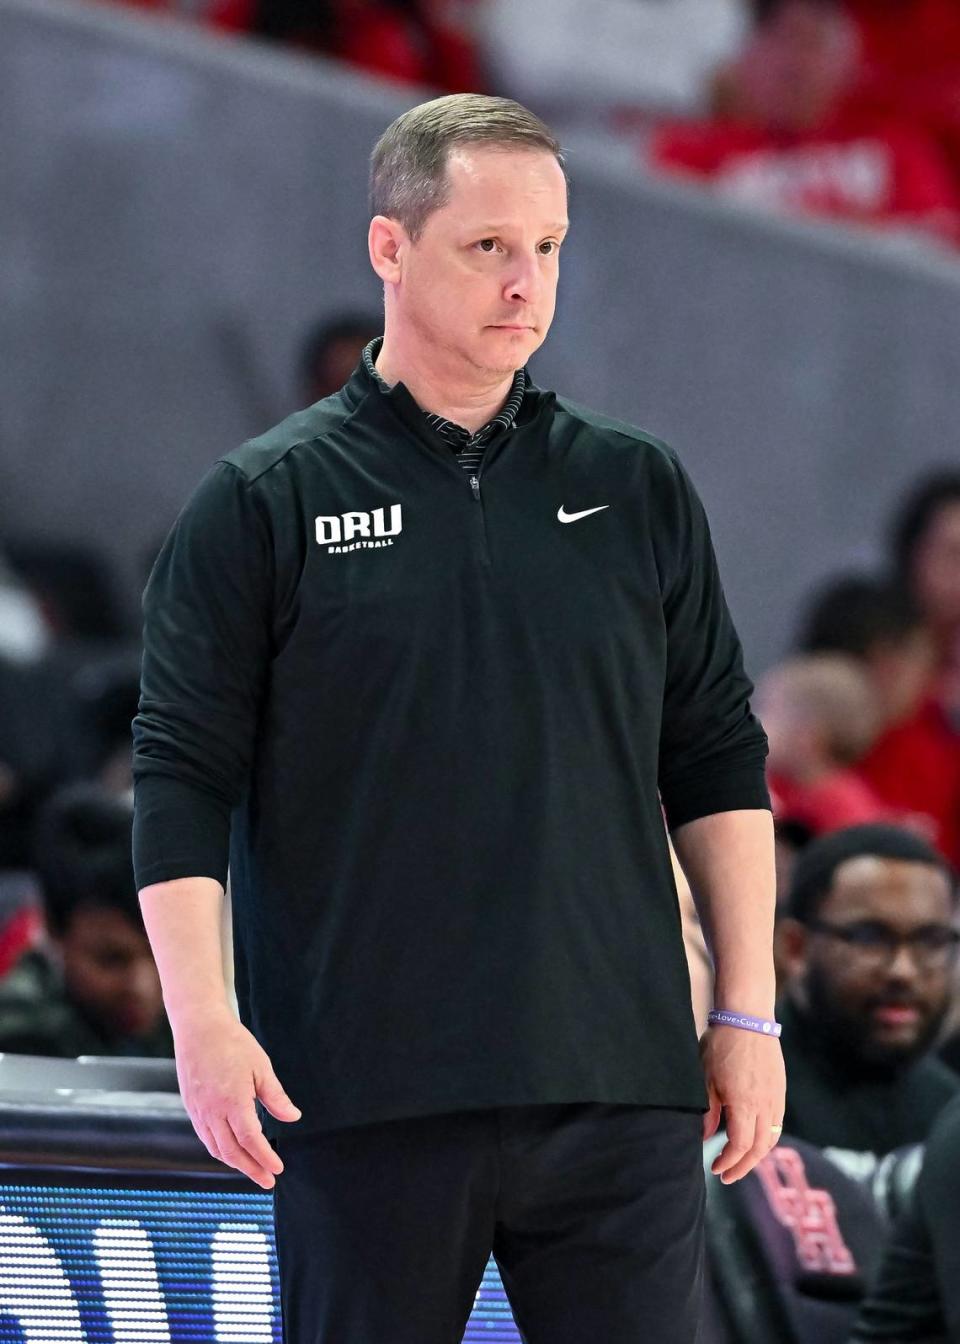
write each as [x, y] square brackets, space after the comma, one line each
[790, 940]
[386, 241]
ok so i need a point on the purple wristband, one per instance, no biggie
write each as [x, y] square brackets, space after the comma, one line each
[718, 1017]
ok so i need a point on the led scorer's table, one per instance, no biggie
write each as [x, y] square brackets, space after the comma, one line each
[118, 1227]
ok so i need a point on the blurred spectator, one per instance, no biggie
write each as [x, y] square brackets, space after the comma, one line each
[915, 1296]
[39, 748]
[94, 989]
[871, 948]
[877, 623]
[107, 693]
[25, 632]
[791, 135]
[331, 352]
[74, 584]
[576, 62]
[424, 42]
[820, 716]
[908, 38]
[914, 763]
[232, 15]
[60, 617]
[27, 754]
[926, 560]
[910, 64]
[789, 839]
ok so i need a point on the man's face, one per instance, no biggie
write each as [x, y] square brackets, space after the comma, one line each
[110, 973]
[480, 283]
[796, 64]
[880, 1009]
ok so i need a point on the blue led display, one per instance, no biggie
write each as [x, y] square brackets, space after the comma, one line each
[129, 1265]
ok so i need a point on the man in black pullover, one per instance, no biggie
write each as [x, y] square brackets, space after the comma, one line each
[423, 662]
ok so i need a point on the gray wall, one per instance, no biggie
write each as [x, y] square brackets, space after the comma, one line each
[176, 208]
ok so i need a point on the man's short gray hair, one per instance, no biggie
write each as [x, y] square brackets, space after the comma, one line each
[408, 166]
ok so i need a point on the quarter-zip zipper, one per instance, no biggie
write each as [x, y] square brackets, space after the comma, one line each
[475, 487]
[449, 462]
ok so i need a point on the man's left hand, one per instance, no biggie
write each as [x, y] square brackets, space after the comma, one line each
[745, 1075]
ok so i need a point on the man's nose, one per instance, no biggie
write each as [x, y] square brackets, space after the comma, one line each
[523, 281]
[904, 964]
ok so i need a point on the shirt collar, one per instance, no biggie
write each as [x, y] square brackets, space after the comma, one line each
[455, 435]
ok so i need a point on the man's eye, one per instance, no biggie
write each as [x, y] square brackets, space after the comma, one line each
[483, 244]
[866, 935]
[552, 244]
[936, 939]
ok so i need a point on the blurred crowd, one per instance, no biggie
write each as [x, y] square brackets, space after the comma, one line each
[844, 109]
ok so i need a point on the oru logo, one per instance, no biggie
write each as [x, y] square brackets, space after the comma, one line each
[356, 530]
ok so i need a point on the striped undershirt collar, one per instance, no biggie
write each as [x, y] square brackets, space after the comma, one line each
[458, 437]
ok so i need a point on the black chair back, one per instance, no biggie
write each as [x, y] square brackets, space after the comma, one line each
[791, 1247]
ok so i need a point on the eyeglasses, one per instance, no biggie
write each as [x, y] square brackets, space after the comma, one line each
[932, 947]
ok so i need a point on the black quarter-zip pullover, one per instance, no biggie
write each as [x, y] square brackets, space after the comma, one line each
[430, 721]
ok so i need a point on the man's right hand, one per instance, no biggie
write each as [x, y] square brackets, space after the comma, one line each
[221, 1068]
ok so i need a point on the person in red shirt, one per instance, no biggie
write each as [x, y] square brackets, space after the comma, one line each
[925, 558]
[925, 555]
[791, 135]
[914, 762]
[423, 42]
[909, 64]
[907, 37]
[229, 15]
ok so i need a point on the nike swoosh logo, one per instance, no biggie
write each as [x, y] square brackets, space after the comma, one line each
[572, 517]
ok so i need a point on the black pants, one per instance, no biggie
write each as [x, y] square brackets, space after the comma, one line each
[594, 1215]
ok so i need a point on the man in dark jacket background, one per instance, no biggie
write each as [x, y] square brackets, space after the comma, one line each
[870, 945]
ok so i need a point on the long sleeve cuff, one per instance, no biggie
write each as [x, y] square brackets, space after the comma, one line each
[179, 830]
[720, 788]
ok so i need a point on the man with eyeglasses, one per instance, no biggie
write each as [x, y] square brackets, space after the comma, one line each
[869, 943]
